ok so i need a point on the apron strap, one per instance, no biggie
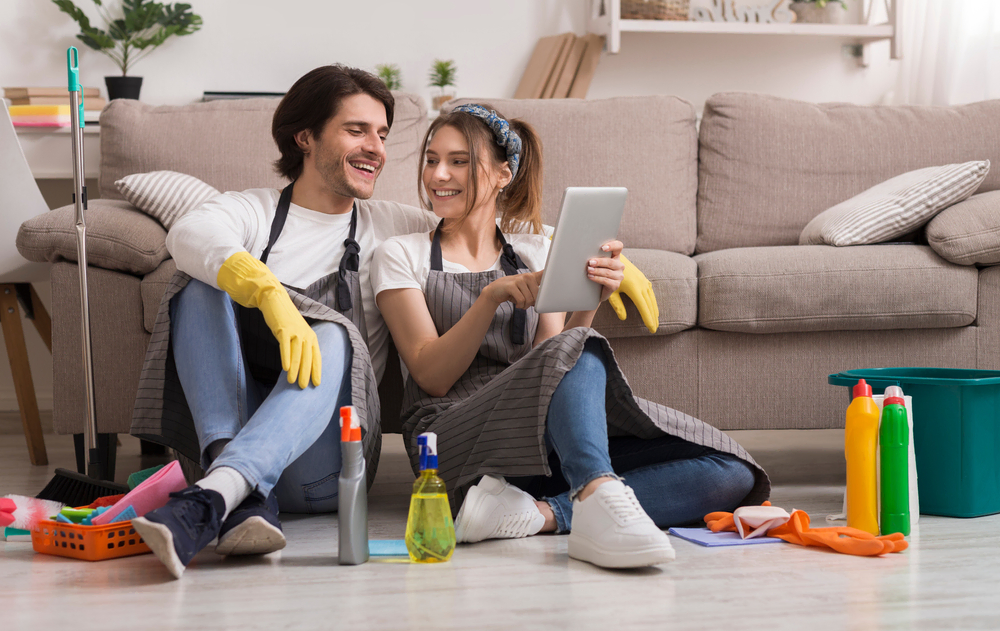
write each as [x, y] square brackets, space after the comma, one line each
[350, 262]
[510, 263]
[280, 215]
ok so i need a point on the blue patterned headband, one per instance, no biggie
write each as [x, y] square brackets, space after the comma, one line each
[506, 137]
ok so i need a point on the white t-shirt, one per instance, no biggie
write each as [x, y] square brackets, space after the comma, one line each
[309, 247]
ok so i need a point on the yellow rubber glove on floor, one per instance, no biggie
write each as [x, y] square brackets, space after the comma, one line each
[251, 284]
[636, 286]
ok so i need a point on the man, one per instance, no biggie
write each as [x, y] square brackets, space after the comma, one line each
[270, 326]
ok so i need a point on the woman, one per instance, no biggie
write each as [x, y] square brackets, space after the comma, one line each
[516, 394]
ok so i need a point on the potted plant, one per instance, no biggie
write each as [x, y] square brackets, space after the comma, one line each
[442, 77]
[143, 26]
[822, 11]
[391, 76]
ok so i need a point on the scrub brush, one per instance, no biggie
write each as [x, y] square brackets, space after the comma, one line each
[24, 513]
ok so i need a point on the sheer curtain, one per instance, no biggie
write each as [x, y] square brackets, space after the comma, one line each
[950, 52]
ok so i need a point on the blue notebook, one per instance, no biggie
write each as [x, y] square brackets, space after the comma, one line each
[705, 537]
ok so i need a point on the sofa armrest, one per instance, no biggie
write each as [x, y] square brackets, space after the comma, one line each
[119, 237]
[968, 233]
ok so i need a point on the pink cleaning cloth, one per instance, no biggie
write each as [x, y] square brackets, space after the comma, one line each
[150, 495]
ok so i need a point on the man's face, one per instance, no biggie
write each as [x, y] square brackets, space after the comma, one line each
[349, 153]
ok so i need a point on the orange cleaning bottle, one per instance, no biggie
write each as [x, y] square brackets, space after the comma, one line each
[860, 446]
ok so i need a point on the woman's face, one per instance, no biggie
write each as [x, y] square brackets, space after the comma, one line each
[447, 173]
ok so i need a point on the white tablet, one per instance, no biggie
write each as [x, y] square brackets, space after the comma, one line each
[589, 218]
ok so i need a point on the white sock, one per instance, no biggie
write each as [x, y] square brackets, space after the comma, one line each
[230, 484]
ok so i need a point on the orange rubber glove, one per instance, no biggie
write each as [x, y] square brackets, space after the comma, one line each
[837, 538]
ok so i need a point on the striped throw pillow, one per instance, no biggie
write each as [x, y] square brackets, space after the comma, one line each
[895, 207]
[164, 195]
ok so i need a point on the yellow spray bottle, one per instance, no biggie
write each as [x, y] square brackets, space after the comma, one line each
[860, 445]
[430, 531]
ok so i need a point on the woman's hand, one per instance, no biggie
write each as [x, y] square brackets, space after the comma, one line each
[520, 289]
[607, 272]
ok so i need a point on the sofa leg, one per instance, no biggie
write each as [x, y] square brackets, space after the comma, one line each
[107, 444]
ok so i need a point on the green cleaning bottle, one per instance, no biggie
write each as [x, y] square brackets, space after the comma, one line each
[430, 531]
[894, 448]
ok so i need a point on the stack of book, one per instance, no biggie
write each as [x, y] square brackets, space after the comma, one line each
[49, 107]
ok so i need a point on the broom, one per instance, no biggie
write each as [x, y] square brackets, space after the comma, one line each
[70, 487]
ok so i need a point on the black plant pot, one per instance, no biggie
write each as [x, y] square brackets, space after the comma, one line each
[123, 87]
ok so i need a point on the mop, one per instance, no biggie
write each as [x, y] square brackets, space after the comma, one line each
[70, 487]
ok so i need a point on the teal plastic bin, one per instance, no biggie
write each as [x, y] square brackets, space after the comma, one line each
[956, 433]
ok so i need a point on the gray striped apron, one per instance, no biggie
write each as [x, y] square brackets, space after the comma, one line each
[493, 418]
[161, 412]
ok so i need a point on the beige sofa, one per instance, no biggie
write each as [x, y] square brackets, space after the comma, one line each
[750, 323]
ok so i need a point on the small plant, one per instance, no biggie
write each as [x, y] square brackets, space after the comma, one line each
[143, 26]
[391, 76]
[442, 73]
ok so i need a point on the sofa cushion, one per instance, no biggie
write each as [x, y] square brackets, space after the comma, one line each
[119, 237]
[968, 233]
[165, 195]
[825, 288]
[648, 144]
[151, 290]
[675, 283]
[769, 165]
[228, 144]
[895, 207]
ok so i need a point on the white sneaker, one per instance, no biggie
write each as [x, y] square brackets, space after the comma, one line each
[610, 529]
[494, 509]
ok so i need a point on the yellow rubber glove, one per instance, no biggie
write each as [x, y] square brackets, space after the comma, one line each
[251, 284]
[637, 287]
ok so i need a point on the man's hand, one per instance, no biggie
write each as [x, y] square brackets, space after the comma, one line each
[250, 283]
[637, 287]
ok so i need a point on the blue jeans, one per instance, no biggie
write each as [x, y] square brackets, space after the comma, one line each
[676, 481]
[281, 438]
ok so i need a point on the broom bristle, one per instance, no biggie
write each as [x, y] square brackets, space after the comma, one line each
[75, 489]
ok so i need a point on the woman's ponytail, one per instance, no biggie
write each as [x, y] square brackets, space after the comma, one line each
[521, 201]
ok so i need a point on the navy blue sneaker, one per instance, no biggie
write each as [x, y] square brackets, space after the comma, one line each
[252, 528]
[179, 530]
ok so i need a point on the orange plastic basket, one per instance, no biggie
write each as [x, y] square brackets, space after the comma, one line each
[90, 543]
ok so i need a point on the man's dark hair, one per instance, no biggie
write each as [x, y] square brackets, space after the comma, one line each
[315, 99]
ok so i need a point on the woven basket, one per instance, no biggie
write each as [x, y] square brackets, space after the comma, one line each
[655, 9]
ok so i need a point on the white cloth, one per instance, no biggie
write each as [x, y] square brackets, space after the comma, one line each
[405, 262]
[310, 246]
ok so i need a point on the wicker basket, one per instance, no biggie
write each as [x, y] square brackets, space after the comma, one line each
[655, 9]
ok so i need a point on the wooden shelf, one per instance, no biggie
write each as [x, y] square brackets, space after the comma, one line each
[605, 20]
[862, 32]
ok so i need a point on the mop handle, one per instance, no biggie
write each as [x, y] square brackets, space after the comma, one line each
[73, 70]
[94, 461]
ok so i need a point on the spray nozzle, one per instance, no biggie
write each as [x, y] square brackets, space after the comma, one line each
[350, 429]
[427, 443]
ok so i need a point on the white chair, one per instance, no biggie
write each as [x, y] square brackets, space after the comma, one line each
[20, 200]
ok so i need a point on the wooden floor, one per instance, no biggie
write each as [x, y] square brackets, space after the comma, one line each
[947, 580]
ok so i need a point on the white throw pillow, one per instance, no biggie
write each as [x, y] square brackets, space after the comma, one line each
[164, 195]
[895, 207]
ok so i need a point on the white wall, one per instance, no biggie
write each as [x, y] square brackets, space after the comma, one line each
[251, 45]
